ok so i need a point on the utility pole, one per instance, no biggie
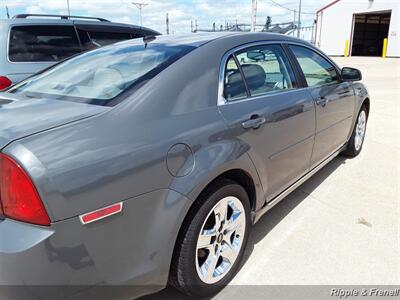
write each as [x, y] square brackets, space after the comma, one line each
[253, 15]
[167, 23]
[139, 6]
[294, 22]
[299, 20]
[69, 11]
[314, 31]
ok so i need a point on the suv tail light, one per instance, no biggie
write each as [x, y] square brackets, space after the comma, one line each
[4, 83]
[19, 199]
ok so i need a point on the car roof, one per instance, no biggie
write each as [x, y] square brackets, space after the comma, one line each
[198, 39]
[58, 21]
[191, 39]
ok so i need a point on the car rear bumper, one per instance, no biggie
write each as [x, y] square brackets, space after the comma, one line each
[124, 256]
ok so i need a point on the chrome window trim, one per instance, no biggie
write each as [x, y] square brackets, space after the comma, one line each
[272, 93]
[221, 99]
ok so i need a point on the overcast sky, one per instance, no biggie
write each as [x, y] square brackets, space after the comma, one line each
[181, 12]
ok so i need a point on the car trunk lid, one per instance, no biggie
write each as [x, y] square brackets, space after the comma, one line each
[23, 117]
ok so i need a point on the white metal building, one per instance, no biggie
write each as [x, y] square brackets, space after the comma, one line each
[363, 23]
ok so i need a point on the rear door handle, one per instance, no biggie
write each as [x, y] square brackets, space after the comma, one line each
[321, 101]
[254, 122]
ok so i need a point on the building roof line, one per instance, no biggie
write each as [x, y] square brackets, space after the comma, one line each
[327, 6]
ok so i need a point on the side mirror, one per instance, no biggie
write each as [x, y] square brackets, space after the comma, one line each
[351, 74]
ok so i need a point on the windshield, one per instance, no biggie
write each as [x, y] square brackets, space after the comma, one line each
[99, 76]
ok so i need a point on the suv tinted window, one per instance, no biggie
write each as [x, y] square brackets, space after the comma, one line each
[317, 70]
[42, 43]
[266, 69]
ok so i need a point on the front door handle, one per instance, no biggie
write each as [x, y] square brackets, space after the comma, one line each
[254, 122]
[321, 101]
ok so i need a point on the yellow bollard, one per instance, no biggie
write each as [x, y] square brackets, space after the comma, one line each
[384, 50]
[346, 49]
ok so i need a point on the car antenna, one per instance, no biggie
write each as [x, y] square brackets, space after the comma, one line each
[147, 39]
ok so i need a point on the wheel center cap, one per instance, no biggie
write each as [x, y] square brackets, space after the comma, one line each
[220, 238]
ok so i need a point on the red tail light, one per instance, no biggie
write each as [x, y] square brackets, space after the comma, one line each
[19, 198]
[4, 83]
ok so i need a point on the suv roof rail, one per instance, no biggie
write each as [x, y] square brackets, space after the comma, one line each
[64, 17]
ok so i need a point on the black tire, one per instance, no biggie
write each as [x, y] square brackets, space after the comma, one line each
[351, 149]
[183, 275]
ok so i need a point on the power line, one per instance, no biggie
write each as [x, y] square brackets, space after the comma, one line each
[290, 9]
[280, 5]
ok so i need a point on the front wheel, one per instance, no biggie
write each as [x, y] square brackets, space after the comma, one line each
[212, 241]
[356, 141]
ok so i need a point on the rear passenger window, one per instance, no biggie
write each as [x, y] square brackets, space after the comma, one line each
[42, 43]
[234, 87]
[317, 70]
[266, 69]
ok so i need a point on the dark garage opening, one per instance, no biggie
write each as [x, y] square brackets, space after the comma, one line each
[369, 32]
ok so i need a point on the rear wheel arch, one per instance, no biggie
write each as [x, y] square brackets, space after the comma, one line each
[239, 176]
[245, 180]
[232, 177]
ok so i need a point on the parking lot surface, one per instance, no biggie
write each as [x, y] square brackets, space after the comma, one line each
[341, 227]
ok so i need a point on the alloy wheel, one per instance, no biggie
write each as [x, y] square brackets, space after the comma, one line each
[360, 130]
[220, 239]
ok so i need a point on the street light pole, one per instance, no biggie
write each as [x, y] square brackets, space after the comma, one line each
[139, 6]
[69, 11]
[299, 20]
